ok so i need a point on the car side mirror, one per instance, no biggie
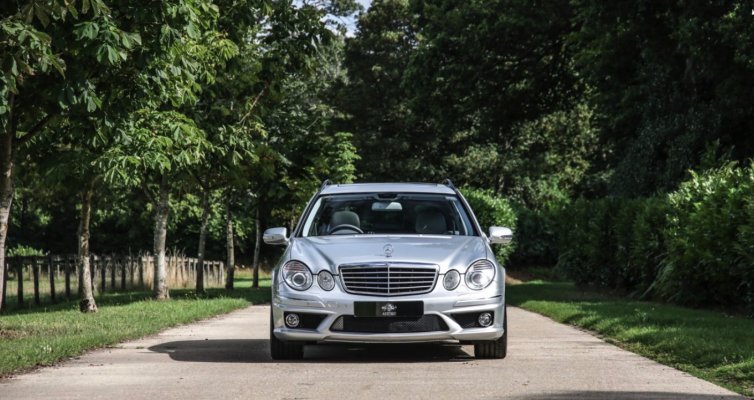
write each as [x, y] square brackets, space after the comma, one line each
[276, 236]
[500, 235]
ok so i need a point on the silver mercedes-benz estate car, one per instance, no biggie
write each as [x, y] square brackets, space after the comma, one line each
[388, 263]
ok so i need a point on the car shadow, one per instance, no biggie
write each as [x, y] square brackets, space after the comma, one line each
[258, 351]
[627, 395]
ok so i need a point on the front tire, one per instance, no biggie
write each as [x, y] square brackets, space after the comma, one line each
[494, 348]
[282, 350]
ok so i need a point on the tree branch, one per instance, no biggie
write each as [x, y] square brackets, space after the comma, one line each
[254, 103]
[36, 128]
[198, 180]
[147, 193]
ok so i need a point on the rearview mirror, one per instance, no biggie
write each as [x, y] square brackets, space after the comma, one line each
[276, 236]
[386, 206]
[500, 235]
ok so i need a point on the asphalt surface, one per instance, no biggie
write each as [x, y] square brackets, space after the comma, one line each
[228, 358]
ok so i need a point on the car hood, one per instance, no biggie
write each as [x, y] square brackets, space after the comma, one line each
[327, 252]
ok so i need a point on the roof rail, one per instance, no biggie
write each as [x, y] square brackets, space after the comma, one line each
[325, 184]
[448, 183]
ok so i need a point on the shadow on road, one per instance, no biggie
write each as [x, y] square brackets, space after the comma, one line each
[626, 395]
[258, 351]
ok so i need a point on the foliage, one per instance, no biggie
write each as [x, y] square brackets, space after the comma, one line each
[377, 101]
[24, 251]
[491, 210]
[709, 240]
[535, 238]
[691, 247]
[668, 79]
[154, 141]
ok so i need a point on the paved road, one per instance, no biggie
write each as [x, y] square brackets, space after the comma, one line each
[228, 357]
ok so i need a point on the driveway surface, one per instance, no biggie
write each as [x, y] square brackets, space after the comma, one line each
[228, 358]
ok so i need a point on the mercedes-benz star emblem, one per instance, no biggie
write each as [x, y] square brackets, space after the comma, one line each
[388, 249]
[389, 310]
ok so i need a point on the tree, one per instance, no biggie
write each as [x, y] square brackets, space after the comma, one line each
[670, 86]
[156, 148]
[38, 42]
[376, 100]
[457, 88]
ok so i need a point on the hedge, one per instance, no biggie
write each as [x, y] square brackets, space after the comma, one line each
[694, 246]
[492, 211]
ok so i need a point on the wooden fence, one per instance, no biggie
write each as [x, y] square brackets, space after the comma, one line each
[50, 277]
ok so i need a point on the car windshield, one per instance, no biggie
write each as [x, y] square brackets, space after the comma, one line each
[387, 213]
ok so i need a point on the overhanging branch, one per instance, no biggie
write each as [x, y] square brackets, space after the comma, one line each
[36, 128]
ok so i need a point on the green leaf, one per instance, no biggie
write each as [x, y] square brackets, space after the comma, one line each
[41, 15]
[112, 54]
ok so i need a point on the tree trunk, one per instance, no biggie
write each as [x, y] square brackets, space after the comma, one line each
[162, 209]
[257, 249]
[6, 199]
[87, 304]
[231, 264]
[6, 192]
[202, 242]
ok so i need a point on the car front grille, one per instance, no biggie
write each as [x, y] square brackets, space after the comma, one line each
[425, 323]
[388, 279]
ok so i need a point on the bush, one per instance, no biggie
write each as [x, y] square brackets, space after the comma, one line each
[613, 242]
[648, 243]
[709, 240]
[492, 211]
[694, 246]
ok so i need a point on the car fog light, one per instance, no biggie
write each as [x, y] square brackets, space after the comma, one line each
[452, 279]
[485, 319]
[292, 320]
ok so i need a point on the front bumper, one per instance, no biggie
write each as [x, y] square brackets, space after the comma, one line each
[440, 303]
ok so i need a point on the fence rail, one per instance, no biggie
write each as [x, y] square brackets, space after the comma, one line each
[53, 276]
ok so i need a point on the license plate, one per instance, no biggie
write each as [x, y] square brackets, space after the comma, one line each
[388, 308]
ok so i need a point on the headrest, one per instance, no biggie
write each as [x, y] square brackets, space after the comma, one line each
[431, 222]
[345, 217]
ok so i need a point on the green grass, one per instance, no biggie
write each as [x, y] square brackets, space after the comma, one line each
[45, 335]
[708, 344]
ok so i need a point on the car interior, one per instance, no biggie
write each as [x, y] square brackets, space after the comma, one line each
[397, 216]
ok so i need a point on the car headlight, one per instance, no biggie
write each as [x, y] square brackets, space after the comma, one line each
[325, 280]
[451, 280]
[480, 274]
[297, 275]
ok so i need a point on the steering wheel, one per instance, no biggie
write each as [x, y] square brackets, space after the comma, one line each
[344, 227]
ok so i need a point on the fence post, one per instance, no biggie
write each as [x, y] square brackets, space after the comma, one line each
[103, 269]
[122, 264]
[92, 272]
[111, 264]
[131, 270]
[35, 276]
[52, 275]
[20, 280]
[5, 280]
[141, 272]
[219, 272]
[67, 271]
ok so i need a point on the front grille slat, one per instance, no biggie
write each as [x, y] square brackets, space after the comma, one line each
[387, 279]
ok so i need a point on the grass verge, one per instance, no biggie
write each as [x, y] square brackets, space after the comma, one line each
[43, 336]
[708, 344]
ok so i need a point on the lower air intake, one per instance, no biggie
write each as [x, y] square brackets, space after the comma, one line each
[425, 323]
